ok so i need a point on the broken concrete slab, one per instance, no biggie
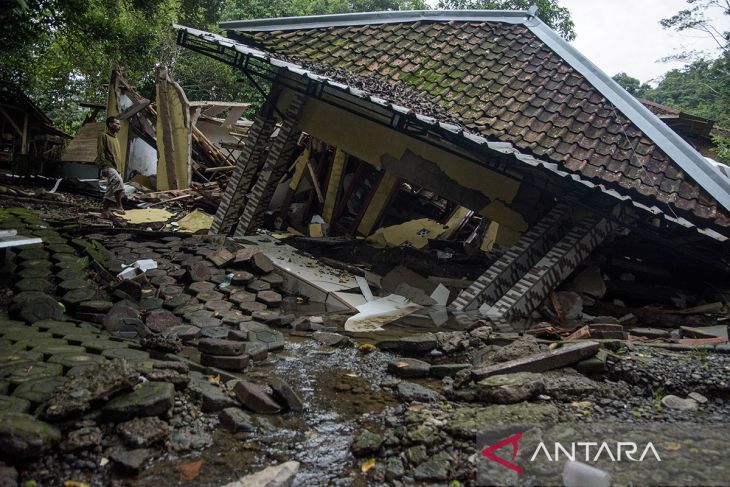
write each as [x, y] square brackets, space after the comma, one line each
[510, 388]
[148, 399]
[281, 475]
[424, 342]
[225, 362]
[552, 359]
[409, 368]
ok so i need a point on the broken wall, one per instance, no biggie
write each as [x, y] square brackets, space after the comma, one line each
[460, 180]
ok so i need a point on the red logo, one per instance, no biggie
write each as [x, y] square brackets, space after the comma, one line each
[512, 440]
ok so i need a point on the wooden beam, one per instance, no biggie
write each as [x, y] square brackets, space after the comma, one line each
[12, 122]
[333, 184]
[24, 135]
[381, 197]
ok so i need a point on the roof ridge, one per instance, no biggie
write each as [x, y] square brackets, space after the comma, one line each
[370, 18]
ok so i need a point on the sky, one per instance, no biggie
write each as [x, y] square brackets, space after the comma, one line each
[625, 35]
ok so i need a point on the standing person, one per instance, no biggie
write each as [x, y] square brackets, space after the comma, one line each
[108, 159]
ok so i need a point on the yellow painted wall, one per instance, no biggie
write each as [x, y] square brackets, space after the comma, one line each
[369, 141]
[181, 131]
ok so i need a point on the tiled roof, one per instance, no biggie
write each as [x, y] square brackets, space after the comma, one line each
[499, 80]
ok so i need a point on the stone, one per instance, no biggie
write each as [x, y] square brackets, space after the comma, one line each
[651, 332]
[251, 307]
[77, 296]
[366, 443]
[177, 301]
[13, 404]
[190, 438]
[331, 339]
[697, 397]
[435, 468]
[23, 437]
[225, 362]
[510, 388]
[393, 469]
[151, 304]
[255, 398]
[128, 354]
[91, 384]
[199, 271]
[72, 284]
[568, 385]
[408, 368]
[186, 309]
[212, 396]
[243, 256]
[162, 280]
[209, 296]
[218, 306]
[202, 319]
[215, 346]
[95, 306]
[27, 371]
[273, 340]
[241, 277]
[218, 332]
[239, 297]
[35, 273]
[261, 264]
[167, 292]
[467, 422]
[99, 345]
[256, 350]
[253, 326]
[269, 298]
[143, 432]
[284, 394]
[257, 285]
[540, 362]
[161, 320]
[408, 391]
[185, 333]
[675, 402]
[113, 321]
[38, 391]
[131, 460]
[446, 370]
[201, 286]
[41, 308]
[273, 278]
[236, 420]
[424, 342]
[221, 258]
[147, 399]
[84, 438]
[281, 475]
[234, 317]
[69, 360]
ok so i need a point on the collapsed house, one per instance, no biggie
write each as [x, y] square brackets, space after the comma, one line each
[491, 111]
[28, 139]
[169, 143]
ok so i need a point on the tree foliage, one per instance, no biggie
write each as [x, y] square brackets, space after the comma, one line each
[632, 85]
[549, 11]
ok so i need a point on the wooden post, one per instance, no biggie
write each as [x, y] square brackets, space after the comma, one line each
[24, 136]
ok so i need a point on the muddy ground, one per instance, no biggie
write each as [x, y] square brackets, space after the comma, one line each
[409, 412]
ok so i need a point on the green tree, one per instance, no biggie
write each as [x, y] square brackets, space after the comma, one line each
[632, 85]
[549, 11]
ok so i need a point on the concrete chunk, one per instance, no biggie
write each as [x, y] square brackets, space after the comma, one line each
[540, 362]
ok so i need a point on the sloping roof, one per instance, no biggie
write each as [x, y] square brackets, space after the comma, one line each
[82, 147]
[507, 77]
[13, 98]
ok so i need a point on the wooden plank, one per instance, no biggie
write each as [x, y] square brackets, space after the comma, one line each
[24, 135]
[163, 111]
[333, 184]
[381, 197]
[12, 122]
